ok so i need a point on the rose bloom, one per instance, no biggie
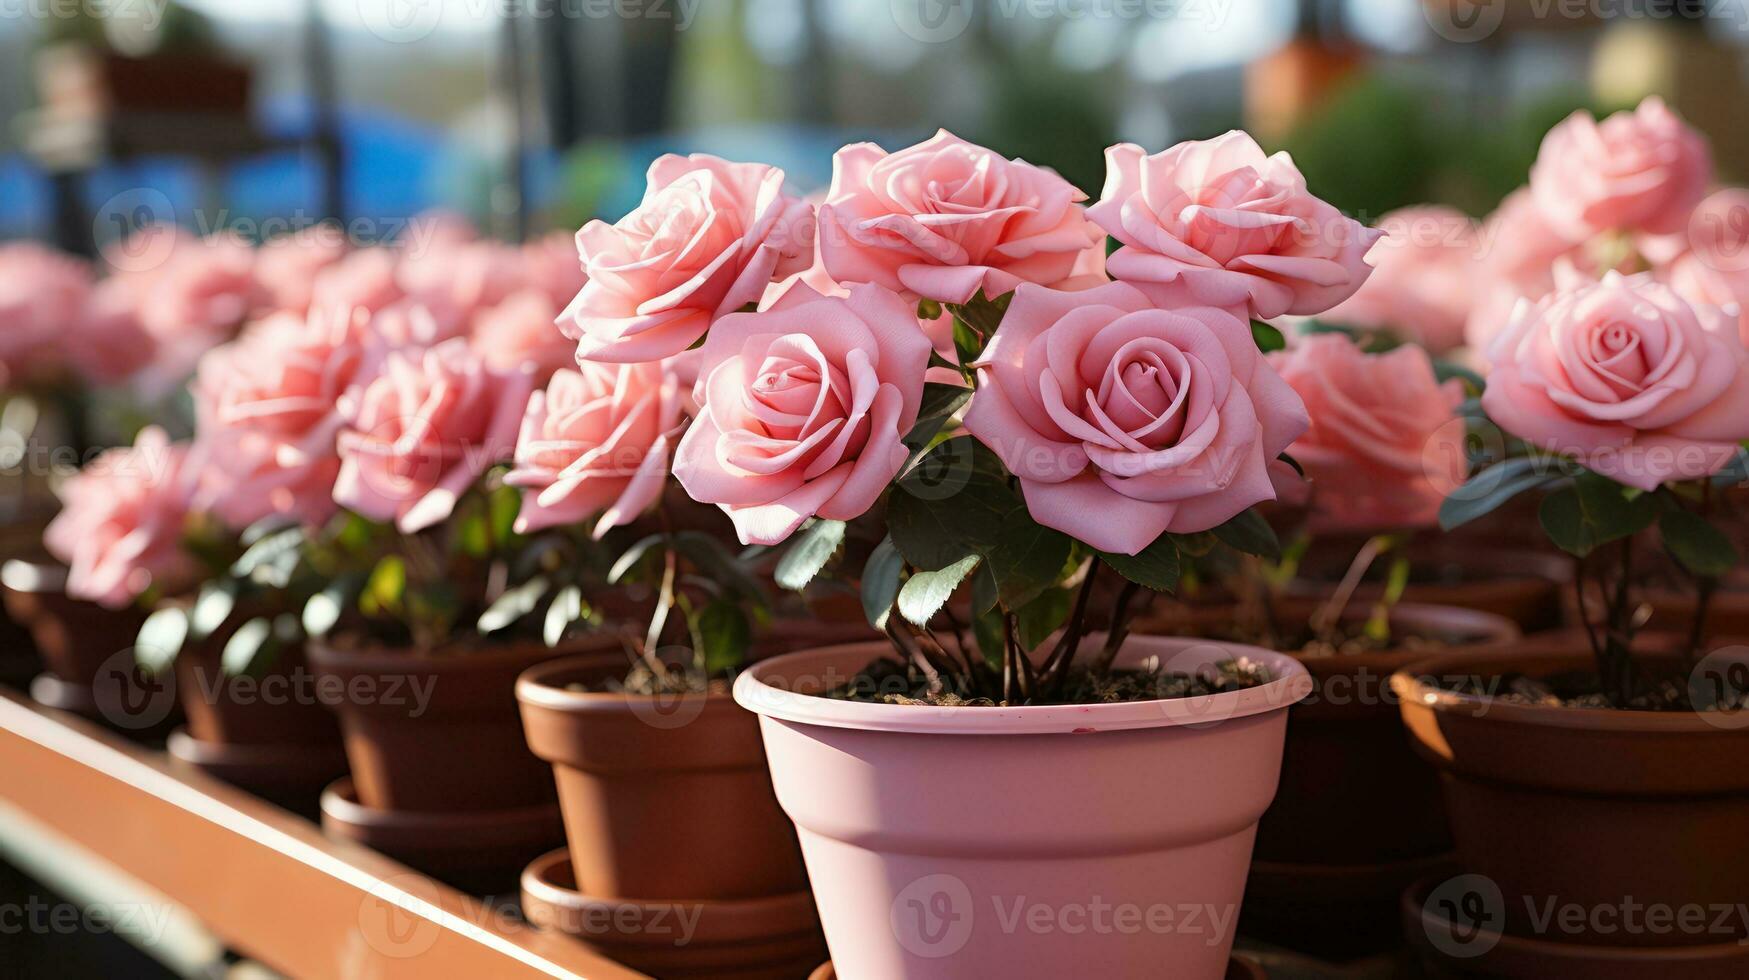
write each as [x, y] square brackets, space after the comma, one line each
[521, 331]
[42, 298]
[1124, 421]
[121, 521]
[1218, 223]
[1714, 268]
[287, 266]
[1635, 171]
[108, 345]
[551, 265]
[363, 280]
[1423, 280]
[946, 218]
[198, 298]
[1382, 451]
[1519, 254]
[423, 430]
[804, 407]
[707, 239]
[1626, 376]
[267, 409]
[415, 322]
[596, 441]
[470, 276]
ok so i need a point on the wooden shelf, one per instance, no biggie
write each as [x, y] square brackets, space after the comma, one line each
[267, 883]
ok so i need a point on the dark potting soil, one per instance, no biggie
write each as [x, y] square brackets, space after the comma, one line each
[639, 679]
[1580, 689]
[891, 681]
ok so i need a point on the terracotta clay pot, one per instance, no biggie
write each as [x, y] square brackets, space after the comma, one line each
[774, 937]
[266, 733]
[634, 774]
[476, 851]
[927, 829]
[1323, 881]
[438, 732]
[88, 654]
[1238, 968]
[1452, 947]
[1589, 808]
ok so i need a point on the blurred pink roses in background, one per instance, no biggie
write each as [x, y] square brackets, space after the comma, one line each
[423, 430]
[519, 331]
[1626, 376]
[1424, 278]
[946, 218]
[707, 239]
[1384, 447]
[268, 412]
[1218, 223]
[803, 409]
[1637, 171]
[1124, 421]
[42, 300]
[1713, 268]
[596, 442]
[121, 521]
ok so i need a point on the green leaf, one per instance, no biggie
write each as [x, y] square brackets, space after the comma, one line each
[514, 604]
[924, 593]
[1489, 489]
[880, 582]
[1027, 559]
[566, 608]
[1563, 519]
[160, 639]
[724, 635]
[212, 608]
[966, 341]
[1696, 544]
[1044, 615]
[952, 503]
[386, 587]
[1612, 510]
[719, 564]
[810, 550]
[1155, 567]
[1444, 371]
[1268, 338]
[1250, 533]
[251, 650]
[987, 630]
[626, 562]
[502, 505]
[940, 402]
[271, 560]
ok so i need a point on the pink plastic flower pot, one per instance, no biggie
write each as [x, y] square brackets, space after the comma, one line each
[1105, 840]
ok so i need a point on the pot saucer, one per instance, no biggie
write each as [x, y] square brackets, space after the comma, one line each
[773, 938]
[477, 851]
[289, 774]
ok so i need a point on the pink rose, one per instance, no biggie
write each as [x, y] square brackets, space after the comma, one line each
[1714, 268]
[1520, 252]
[267, 409]
[415, 322]
[1635, 171]
[550, 264]
[364, 280]
[121, 521]
[596, 441]
[1423, 281]
[1218, 223]
[804, 407]
[945, 219]
[1124, 421]
[1381, 431]
[423, 430]
[521, 331]
[706, 240]
[198, 298]
[42, 298]
[1626, 376]
[108, 345]
[287, 266]
[470, 276]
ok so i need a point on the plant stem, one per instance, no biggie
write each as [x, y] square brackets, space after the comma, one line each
[1012, 680]
[1056, 667]
[1119, 631]
[1329, 615]
[1616, 666]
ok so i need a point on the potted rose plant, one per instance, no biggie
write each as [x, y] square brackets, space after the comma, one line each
[1571, 768]
[1099, 431]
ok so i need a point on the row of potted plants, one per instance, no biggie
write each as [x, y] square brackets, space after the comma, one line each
[900, 574]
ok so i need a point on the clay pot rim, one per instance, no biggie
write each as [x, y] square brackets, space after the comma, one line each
[1408, 686]
[541, 687]
[1291, 684]
[728, 920]
[373, 658]
[340, 804]
[1413, 907]
[291, 756]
